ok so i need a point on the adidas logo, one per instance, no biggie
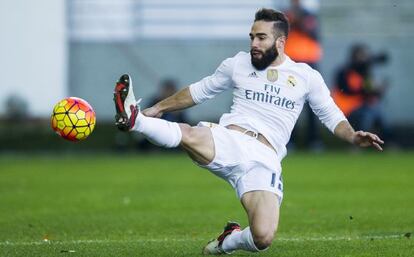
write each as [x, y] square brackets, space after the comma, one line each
[253, 75]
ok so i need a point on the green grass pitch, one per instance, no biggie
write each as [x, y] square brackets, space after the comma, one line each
[336, 204]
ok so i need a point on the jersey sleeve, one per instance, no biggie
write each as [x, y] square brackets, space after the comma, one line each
[214, 84]
[321, 102]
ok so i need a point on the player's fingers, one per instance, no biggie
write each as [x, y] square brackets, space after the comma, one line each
[372, 136]
[379, 140]
[363, 133]
[360, 133]
[149, 112]
[376, 138]
[376, 145]
[145, 111]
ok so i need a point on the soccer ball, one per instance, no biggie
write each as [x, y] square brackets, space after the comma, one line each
[73, 119]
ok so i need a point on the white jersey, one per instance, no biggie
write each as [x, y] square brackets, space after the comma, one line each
[269, 101]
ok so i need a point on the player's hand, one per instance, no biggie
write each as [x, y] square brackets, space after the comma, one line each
[152, 112]
[367, 139]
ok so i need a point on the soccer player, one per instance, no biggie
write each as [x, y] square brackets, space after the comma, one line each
[248, 144]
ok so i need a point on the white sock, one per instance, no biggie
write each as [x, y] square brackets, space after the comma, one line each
[158, 131]
[242, 240]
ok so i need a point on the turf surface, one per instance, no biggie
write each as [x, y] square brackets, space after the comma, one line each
[337, 204]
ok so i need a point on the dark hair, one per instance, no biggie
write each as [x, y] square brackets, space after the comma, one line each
[281, 23]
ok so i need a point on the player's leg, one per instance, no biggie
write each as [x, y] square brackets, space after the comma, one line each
[197, 141]
[262, 208]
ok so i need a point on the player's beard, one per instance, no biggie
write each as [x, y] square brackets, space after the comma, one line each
[268, 56]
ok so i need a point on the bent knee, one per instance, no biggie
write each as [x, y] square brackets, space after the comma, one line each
[188, 134]
[263, 240]
[192, 135]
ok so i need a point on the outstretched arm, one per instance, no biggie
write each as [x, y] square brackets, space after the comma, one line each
[332, 117]
[345, 131]
[198, 92]
[180, 100]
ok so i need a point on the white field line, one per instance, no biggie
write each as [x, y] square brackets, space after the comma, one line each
[160, 240]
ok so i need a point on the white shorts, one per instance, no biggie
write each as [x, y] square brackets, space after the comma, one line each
[244, 162]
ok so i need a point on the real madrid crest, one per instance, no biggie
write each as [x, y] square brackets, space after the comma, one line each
[291, 81]
[272, 75]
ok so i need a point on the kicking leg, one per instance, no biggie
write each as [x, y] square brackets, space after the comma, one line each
[196, 141]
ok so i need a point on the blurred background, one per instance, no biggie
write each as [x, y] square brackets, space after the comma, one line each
[51, 49]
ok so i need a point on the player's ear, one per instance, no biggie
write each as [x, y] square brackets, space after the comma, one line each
[280, 42]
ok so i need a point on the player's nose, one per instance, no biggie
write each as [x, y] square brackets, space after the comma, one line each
[254, 43]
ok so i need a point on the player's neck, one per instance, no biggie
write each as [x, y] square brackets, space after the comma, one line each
[279, 59]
